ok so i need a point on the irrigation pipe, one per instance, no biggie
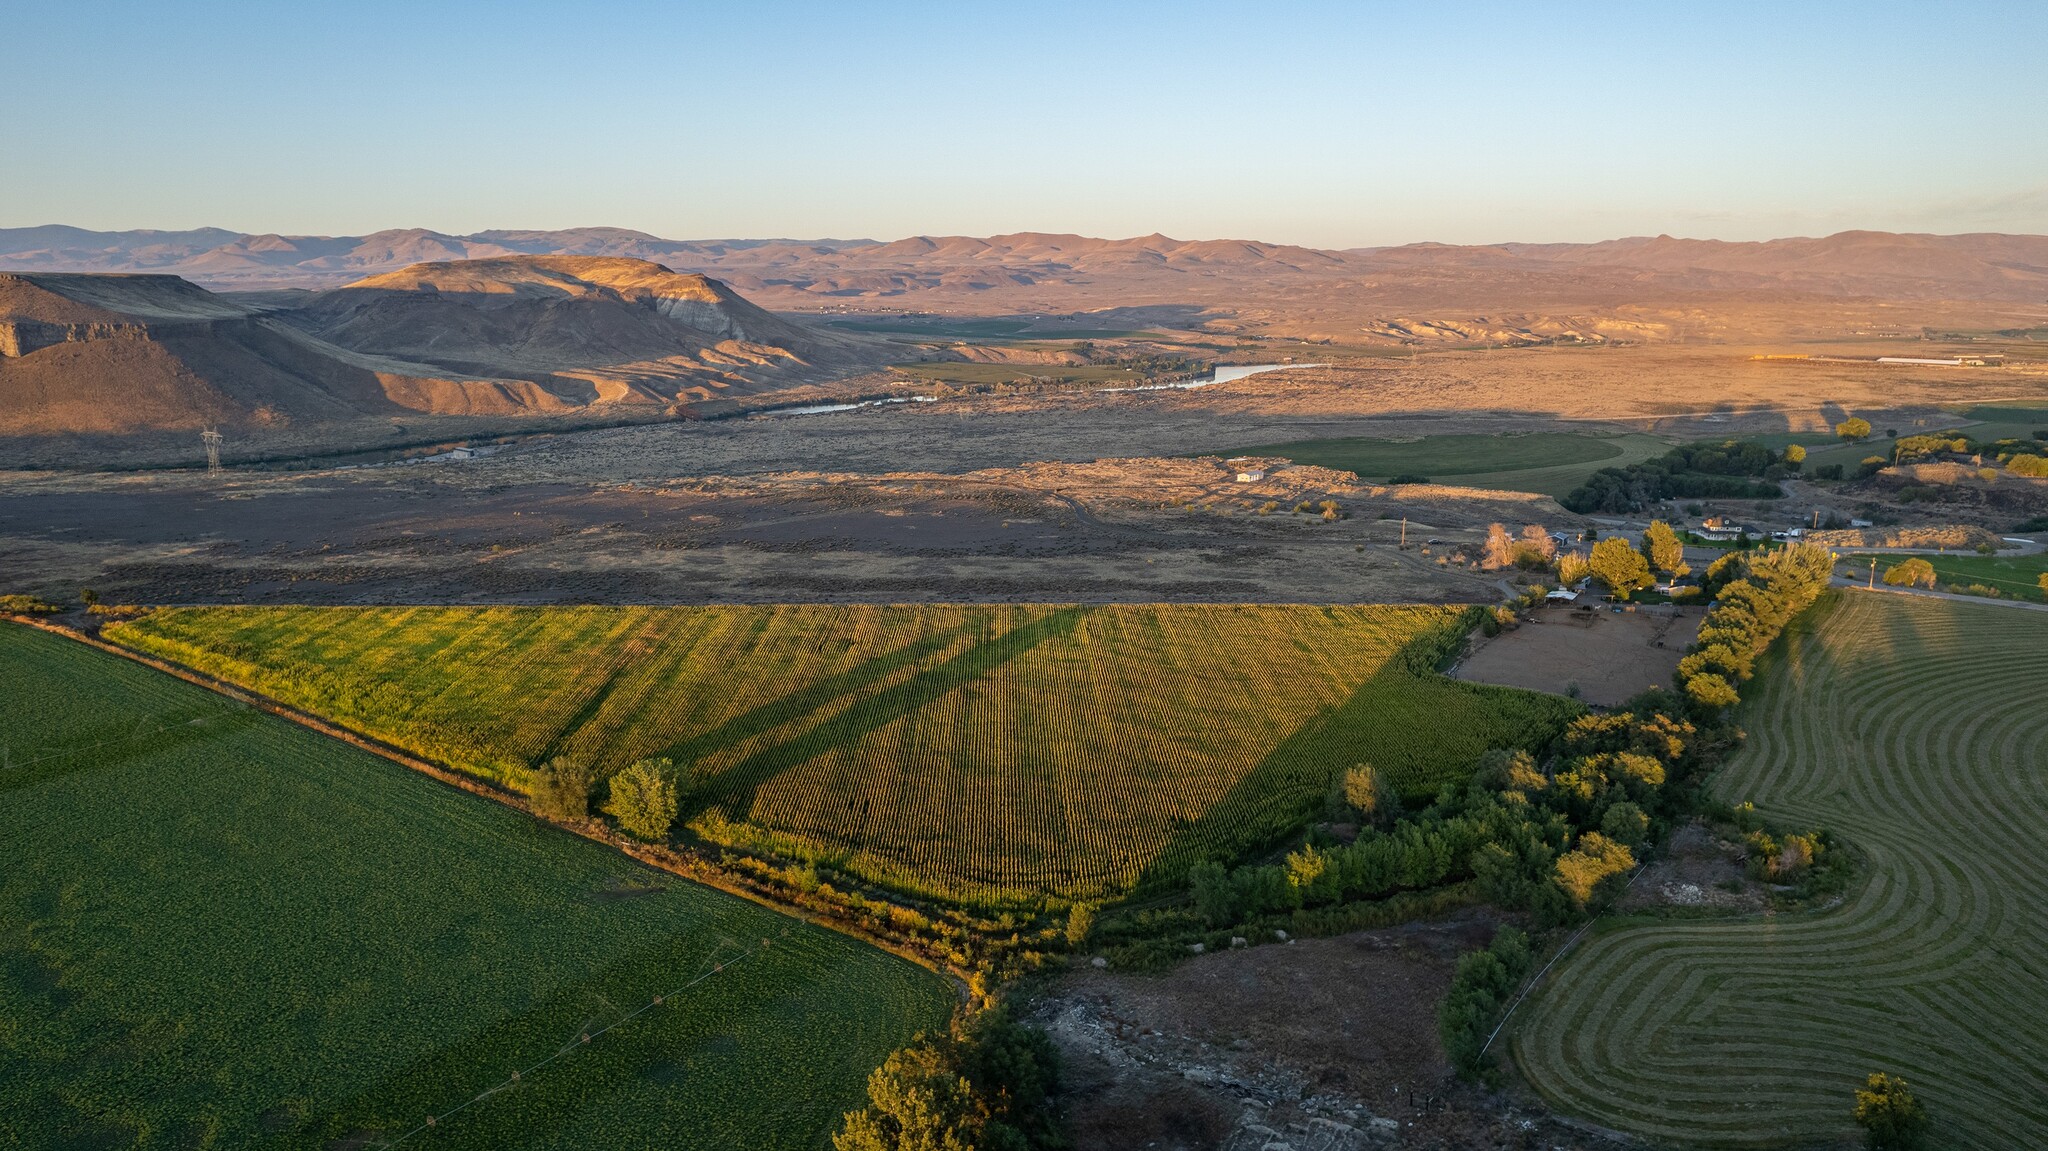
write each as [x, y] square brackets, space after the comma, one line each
[1561, 952]
[584, 1038]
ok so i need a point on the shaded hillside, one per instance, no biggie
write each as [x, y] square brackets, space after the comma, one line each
[514, 338]
[84, 354]
[628, 328]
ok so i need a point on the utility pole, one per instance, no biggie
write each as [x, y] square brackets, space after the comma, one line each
[1404, 533]
[1873, 573]
[211, 437]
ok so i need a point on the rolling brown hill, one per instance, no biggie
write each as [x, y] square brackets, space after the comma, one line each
[1985, 266]
[116, 355]
[100, 355]
[629, 329]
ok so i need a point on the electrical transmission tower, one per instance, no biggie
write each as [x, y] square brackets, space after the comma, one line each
[212, 438]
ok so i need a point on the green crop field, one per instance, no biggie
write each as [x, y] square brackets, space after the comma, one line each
[1552, 463]
[974, 752]
[2012, 577]
[960, 373]
[1915, 729]
[220, 930]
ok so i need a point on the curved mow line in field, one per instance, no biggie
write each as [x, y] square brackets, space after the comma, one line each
[1756, 1031]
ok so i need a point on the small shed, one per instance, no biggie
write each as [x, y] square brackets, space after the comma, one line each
[1251, 475]
[1561, 595]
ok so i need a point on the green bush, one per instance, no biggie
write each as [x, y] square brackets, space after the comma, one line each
[990, 1087]
[561, 789]
[643, 799]
[27, 605]
[1479, 993]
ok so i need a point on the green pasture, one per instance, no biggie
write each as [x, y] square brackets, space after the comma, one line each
[2013, 577]
[1911, 728]
[1551, 463]
[968, 374]
[220, 930]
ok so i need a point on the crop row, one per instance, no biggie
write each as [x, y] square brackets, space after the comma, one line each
[977, 751]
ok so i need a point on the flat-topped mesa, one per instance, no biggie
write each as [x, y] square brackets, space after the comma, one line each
[554, 313]
[694, 300]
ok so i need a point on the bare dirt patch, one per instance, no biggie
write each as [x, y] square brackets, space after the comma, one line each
[1608, 655]
[1319, 1043]
[495, 531]
[1698, 869]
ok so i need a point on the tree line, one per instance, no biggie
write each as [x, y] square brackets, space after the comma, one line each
[1730, 470]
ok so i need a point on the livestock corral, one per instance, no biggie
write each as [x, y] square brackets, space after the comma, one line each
[1600, 653]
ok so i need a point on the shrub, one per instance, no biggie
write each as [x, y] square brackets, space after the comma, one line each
[1408, 478]
[1892, 1120]
[1080, 921]
[2028, 465]
[27, 605]
[561, 789]
[989, 1086]
[643, 799]
[1828, 472]
[1625, 824]
[1479, 992]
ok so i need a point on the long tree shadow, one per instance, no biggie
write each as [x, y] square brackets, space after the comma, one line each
[737, 786]
[807, 699]
[1295, 780]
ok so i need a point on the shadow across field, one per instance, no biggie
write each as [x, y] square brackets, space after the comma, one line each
[737, 787]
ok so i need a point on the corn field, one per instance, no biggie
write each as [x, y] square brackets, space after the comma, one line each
[969, 752]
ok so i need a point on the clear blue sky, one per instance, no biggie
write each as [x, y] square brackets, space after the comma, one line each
[1332, 124]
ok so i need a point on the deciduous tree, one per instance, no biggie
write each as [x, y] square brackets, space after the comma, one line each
[1573, 567]
[1662, 549]
[1582, 871]
[1500, 548]
[1915, 572]
[643, 799]
[1853, 429]
[1619, 566]
[1368, 794]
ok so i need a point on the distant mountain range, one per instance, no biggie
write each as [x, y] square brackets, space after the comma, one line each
[814, 273]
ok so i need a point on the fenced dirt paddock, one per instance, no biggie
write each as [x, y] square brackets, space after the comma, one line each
[1610, 655]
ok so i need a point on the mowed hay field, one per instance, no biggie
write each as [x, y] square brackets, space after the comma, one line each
[1918, 730]
[973, 752]
[218, 929]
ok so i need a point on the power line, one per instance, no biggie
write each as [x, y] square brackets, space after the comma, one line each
[583, 1039]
